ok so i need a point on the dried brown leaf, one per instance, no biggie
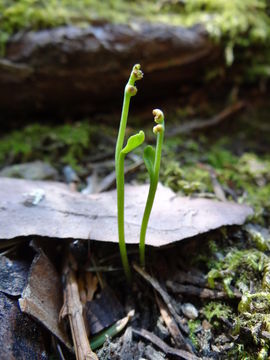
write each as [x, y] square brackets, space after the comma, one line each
[42, 297]
[64, 214]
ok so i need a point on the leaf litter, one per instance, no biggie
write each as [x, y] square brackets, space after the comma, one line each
[79, 216]
[61, 213]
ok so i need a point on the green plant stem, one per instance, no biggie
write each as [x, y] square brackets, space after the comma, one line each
[123, 124]
[120, 179]
[151, 195]
[120, 208]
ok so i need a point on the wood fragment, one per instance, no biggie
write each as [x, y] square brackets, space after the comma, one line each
[202, 124]
[154, 339]
[72, 307]
[202, 293]
[170, 322]
[110, 180]
[218, 190]
[188, 277]
[166, 298]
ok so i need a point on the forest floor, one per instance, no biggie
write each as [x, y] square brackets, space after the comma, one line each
[213, 287]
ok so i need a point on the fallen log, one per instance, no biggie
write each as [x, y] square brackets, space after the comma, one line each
[70, 70]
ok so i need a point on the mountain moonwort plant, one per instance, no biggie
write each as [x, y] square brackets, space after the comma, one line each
[120, 153]
[152, 158]
[152, 161]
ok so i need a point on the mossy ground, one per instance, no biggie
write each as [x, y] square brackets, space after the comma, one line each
[237, 152]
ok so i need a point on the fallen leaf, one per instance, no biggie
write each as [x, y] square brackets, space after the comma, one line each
[65, 214]
[42, 296]
[103, 311]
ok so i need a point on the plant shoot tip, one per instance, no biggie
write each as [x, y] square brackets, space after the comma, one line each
[157, 129]
[158, 116]
[136, 72]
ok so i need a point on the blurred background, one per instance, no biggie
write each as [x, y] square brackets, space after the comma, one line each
[64, 65]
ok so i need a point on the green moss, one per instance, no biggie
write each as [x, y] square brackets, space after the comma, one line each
[188, 165]
[186, 179]
[193, 326]
[216, 310]
[65, 144]
[238, 267]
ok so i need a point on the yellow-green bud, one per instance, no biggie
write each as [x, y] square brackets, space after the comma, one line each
[157, 129]
[131, 90]
[137, 73]
[158, 116]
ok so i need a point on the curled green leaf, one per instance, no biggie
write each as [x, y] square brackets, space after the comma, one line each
[133, 142]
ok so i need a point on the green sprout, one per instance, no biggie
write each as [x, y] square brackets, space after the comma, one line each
[152, 160]
[120, 153]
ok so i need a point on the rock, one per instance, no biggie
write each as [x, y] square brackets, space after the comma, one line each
[71, 70]
[13, 275]
[37, 170]
[189, 311]
[21, 337]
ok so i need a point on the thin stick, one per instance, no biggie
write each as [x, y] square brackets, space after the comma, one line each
[166, 298]
[201, 124]
[72, 307]
[168, 350]
[170, 322]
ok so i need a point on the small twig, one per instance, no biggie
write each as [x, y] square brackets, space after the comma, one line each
[73, 308]
[166, 298]
[201, 124]
[218, 190]
[60, 352]
[190, 278]
[202, 293]
[181, 354]
[8, 251]
[102, 269]
[110, 180]
[170, 322]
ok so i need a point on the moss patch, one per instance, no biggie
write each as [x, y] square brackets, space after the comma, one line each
[65, 144]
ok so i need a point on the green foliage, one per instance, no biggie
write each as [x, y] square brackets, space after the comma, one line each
[120, 153]
[186, 179]
[133, 142]
[238, 267]
[216, 310]
[189, 165]
[193, 326]
[66, 143]
[18, 15]
[149, 159]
